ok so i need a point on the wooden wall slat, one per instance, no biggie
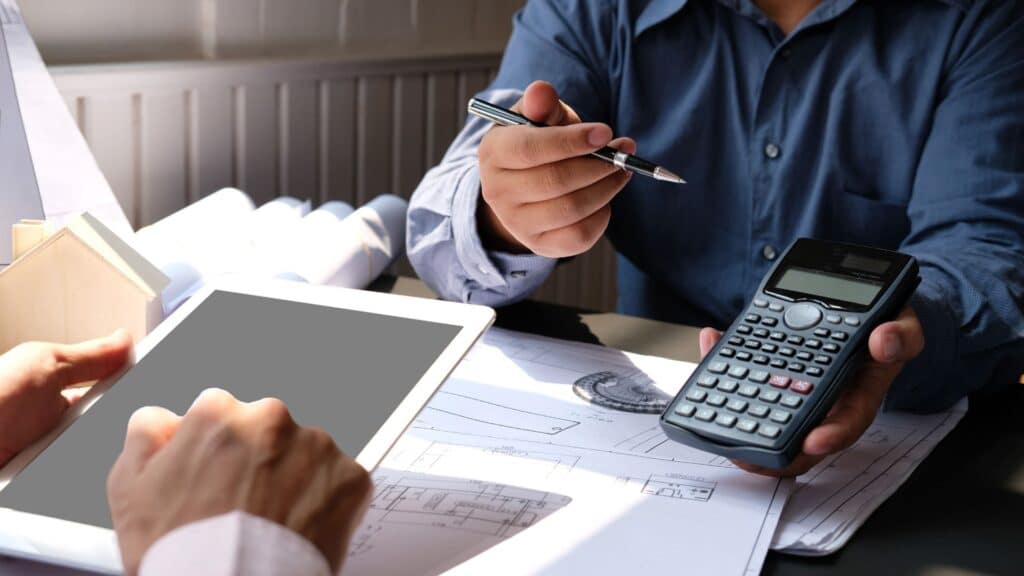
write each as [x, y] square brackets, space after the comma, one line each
[164, 155]
[213, 146]
[442, 115]
[299, 140]
[259, 118]
[110, 128]
[339, 150]
[410, 133]
[374, 116]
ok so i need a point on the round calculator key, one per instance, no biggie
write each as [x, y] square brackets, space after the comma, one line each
[775, 307]
[851, 321]
[686, 410]
[726, 420]
[802, 387]
[706, 414]
[802, 316]
[833, 319]
[769, 431]
[748, 426]
[760, 303]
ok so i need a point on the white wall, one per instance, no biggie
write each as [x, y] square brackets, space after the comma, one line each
[80, 31]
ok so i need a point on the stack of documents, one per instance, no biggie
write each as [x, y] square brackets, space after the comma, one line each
[509, 467]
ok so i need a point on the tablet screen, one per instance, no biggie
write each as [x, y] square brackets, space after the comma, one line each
[340, 370]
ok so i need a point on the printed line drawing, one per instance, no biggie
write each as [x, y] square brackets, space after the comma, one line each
[679, 486]
[485, 412]
[556, 465]
[454, 504]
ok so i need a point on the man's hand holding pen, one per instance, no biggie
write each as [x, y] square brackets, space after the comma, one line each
[542, 192]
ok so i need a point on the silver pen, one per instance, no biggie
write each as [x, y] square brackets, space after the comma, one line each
[505, 117]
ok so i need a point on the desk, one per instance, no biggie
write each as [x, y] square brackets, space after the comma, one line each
[961, 513]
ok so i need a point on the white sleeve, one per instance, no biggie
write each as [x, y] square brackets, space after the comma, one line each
[233, 544]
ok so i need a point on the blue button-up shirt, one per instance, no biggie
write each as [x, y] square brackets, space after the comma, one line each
[896, 124]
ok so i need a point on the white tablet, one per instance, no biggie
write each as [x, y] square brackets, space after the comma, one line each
[360, 365]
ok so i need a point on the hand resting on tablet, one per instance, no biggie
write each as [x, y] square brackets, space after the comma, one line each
[233, 474]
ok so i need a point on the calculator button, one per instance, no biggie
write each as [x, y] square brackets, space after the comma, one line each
[726, 420]
[737, 405]
[736, 341]
[760, 333]
[822, 332]
[777, 336]
[744, 329]
[813, 344]
[727, 352]
[814, 371]
[769, 396]
[780, 416]
[749, 390]
[716, 400]
[851, 321]
[822, 359]
[802, 387]
[760, 303]
[706, 414]
[785, 351]
[744, 356]
[833, 319]
[792, 401]
[769, 431]
[831, 347]
[759, 376]
[779, 381]
[728, 386]
[840, 336]
[707, 381]
[758, 411]
[769, 348]
[778, 363]
[752, 318]
[795, 340]
[796, 367]
[805, 356]
[696, 395]
[686, 410]
[802, 316]
[761, 359]
[738, 372]
[769, 322]
[747, 426]
[753, 344]
[774, 307]
[718, 367]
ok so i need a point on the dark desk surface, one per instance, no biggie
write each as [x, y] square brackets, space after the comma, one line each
[962, 512]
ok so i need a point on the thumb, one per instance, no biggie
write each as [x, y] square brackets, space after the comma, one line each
[540, 103]
[92, 360]
[708, 338]
[898, 341]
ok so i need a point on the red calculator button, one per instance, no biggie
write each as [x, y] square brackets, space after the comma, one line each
[802, 387]
[779, 381]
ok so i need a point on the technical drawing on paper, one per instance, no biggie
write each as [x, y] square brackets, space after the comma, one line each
[494, 414]
[548, 465]
[679, 486]
[464, 505]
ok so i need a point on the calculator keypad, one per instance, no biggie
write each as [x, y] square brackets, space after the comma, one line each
[767, 372]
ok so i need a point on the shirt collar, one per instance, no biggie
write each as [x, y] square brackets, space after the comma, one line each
[657, 11]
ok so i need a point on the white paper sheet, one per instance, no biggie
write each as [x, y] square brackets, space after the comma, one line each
[562, 486]
[837, 496]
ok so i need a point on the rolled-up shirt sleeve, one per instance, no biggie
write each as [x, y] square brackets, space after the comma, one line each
[442, 240]
[967, 220]
[234, 544]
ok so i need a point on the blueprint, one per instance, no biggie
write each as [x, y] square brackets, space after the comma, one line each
[508, 467]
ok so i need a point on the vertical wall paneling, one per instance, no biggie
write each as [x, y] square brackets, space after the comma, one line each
[410, 132]
[374, 135]
[212, 148]
[339, 153]
[163, 155]
[442, 115]
[299, 140]
[471, 83]
[109, 126]
[259, 120]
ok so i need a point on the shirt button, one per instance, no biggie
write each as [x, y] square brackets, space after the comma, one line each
[772, 151]
[769, 252]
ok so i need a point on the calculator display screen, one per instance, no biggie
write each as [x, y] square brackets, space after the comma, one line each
[832, 286]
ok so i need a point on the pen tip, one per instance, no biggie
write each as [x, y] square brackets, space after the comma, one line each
[666, 176]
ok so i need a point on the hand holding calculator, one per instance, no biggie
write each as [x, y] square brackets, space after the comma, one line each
[778, 370]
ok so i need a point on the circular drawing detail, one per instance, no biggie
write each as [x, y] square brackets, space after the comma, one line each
[618, 392]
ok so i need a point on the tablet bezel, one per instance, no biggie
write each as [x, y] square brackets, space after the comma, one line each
[77, 545]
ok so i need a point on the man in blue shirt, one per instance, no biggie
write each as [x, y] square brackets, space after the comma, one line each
[898, 124]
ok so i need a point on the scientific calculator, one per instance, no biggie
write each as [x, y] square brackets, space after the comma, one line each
[777, 371]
